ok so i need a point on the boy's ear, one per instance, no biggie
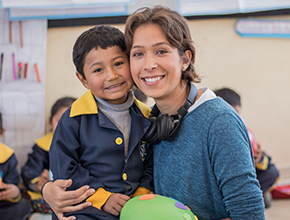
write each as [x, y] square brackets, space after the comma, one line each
[83, 80]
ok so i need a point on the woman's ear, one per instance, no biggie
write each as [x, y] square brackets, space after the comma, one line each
[186, 59]
[83, 80]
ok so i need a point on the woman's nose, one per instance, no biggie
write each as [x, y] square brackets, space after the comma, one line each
[150, 63]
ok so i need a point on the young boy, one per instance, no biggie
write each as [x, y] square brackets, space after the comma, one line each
[97, 141]
[12, 205]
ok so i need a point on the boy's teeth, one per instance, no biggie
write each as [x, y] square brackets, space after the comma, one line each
[114, 86]
[152, 79]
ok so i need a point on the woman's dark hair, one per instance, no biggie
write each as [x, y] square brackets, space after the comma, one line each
[174, 27]
[97, 37]
[60, 103]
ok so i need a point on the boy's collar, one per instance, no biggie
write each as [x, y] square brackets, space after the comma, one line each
[86, 104]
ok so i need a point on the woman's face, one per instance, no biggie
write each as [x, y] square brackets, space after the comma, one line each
[155, 64]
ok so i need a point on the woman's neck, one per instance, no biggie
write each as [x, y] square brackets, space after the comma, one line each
[174, 101]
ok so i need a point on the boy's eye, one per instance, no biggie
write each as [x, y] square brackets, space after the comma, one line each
[118, 63]
[98, 70]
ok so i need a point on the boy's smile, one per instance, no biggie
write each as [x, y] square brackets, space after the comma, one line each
[107, 74]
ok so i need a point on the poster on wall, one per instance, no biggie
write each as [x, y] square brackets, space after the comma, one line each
[22, 82]
[263, 28]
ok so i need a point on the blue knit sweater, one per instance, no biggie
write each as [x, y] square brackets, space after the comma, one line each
[209, 165]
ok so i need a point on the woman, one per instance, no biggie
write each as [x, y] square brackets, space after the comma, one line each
[204, 158]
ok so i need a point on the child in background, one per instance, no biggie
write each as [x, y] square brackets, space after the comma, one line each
[98, 141]
[12, 205]
[36, 170]
[267, 174]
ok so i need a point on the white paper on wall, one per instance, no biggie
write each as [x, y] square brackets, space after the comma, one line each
[22, 100]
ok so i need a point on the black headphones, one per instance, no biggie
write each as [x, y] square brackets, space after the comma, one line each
[163, 127]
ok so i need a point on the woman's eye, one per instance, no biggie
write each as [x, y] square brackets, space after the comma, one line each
[161, 51]
[137, 54]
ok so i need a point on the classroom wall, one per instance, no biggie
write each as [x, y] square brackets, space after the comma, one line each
[257, 68]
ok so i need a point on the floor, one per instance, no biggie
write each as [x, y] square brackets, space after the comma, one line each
[279, 210]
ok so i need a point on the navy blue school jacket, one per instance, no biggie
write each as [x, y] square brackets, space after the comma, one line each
[37, 161]
[17, 208]
[89, 149]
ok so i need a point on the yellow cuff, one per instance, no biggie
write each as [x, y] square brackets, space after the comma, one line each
[263, 164]
[34, 195]
[35, 180]
[141, 191]
[99, 198]
[15, 199]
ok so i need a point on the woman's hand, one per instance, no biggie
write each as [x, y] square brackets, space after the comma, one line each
[10, 191]
[62, 201]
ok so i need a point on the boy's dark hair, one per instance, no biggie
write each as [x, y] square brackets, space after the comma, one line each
[229, 95]
[97, 37]
[60, 103]
[175, 28]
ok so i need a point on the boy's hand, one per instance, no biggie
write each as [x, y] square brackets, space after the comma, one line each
[43, 178]
[10, 191]
[62, 201]
[115, 203]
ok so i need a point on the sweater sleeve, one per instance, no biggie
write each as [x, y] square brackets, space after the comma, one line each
[233, 164]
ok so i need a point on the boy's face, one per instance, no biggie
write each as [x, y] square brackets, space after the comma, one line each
[107, 74]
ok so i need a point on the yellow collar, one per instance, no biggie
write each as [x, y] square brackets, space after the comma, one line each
[86, 104]
[6, 153]
[45, 141]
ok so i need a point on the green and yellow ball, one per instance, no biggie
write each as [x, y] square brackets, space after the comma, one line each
[155, 207]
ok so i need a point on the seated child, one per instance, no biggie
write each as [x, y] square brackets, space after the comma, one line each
[267, 174]
[12, 205]
[36, 170]
[98, 141]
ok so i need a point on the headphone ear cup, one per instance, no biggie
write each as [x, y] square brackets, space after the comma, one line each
[151, 134]
[164, 126]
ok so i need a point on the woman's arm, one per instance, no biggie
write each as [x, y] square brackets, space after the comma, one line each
[62, 201]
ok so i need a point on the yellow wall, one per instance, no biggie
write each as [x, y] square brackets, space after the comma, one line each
[257, 68]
